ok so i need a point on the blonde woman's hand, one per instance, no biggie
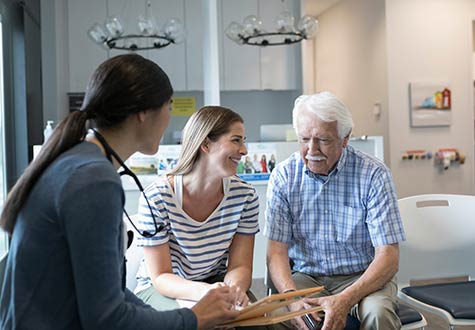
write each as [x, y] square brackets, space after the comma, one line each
[216, 307]
[242, 300]
[206, 287]
[217, 285]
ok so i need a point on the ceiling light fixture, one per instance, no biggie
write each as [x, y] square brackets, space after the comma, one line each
[251, 32]
[149, 36]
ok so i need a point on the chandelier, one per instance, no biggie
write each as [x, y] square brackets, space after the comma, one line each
[251, 32]
[112, 34]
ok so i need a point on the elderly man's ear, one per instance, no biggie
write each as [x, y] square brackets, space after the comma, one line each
[346, 139]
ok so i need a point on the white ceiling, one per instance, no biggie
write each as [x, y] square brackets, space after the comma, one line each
[316, 7]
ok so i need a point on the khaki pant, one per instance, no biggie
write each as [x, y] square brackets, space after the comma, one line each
[376, 311]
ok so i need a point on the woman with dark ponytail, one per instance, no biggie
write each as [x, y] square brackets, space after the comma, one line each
[65, 268]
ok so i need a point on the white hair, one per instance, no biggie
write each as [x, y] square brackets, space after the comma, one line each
[328, 108]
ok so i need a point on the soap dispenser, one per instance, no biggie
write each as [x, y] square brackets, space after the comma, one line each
[48, 130]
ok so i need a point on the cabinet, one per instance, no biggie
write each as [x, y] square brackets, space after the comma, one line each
[172, 59]
[257, 68]
[240, 65]
[280, 65]
[84, 55]
[194, 44]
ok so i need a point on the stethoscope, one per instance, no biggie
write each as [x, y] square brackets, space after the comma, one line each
[127, 171]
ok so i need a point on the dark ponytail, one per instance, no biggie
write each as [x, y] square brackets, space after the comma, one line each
[119, 87]
[69, 132]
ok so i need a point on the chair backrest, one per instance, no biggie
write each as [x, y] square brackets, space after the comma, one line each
[440, 231]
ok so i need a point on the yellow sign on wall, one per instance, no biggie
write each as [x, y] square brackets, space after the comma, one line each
[183, 106]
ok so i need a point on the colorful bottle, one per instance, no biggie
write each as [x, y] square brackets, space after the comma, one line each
[438, 100]
[446, 102]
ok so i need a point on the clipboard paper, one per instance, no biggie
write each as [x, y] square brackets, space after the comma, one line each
[257, 313]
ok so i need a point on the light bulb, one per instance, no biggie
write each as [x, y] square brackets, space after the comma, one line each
[251, 25]
[308, 26]
[146, 23]
[146, 26]
[234, 32]
[97, 33]
[174, 30]
[114, 26]
[285, 22]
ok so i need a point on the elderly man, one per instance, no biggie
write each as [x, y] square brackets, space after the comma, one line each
[332, 212]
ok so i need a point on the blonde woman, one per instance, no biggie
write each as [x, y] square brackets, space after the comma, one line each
[209, 216]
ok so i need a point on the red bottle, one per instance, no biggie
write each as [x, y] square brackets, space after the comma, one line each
[446, 102]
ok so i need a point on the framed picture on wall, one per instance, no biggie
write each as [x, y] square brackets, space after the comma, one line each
[430, 104]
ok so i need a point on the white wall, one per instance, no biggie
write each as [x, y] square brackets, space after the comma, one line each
[351, 62]
[430, 40]
[370, 50]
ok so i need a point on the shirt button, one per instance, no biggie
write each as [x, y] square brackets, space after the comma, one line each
[326, 211]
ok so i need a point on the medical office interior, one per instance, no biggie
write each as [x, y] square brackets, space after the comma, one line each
[380, 57]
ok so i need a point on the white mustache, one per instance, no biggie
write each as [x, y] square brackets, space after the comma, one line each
[315, 158]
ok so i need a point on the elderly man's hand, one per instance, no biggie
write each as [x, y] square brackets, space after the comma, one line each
[336, 309]
[298, 322]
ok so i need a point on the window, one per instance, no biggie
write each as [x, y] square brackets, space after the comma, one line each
[3, 235]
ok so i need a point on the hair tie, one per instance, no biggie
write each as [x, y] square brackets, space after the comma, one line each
[90, 114]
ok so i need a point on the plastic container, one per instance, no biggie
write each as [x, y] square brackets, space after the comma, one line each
[48, 130]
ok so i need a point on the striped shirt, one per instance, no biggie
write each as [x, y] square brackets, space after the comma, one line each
[198, 249]
[333, 223]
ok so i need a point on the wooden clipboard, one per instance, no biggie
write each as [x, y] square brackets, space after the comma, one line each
[257, 313]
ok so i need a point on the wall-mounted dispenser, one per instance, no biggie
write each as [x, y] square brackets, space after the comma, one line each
[446, 156]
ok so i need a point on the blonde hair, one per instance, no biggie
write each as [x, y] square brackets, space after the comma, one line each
[208, 122]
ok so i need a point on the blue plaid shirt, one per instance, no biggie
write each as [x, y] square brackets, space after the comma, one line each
[333, 223]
